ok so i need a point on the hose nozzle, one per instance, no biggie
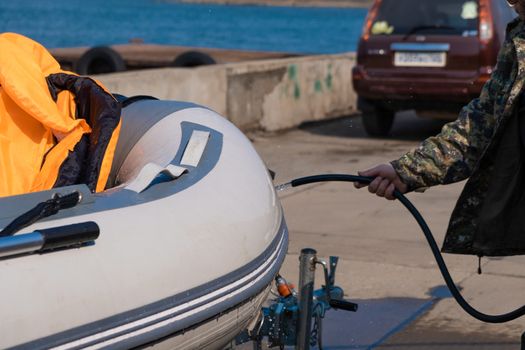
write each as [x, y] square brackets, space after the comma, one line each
[283, 187]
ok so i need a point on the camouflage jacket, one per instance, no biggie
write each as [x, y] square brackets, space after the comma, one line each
[462, 149]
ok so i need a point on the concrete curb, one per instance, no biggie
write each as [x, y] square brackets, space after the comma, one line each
[270, 95]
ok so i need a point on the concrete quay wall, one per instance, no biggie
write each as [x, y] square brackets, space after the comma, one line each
[270, 95]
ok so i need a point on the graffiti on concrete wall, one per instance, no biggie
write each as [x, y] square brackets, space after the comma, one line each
[292, 76]
[323, 83]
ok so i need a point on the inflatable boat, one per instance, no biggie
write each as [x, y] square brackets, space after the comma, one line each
[179, 253]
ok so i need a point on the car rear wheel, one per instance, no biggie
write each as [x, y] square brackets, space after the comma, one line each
[378, 121]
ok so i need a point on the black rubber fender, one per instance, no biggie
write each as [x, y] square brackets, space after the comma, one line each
[193, 59]
[100, 60]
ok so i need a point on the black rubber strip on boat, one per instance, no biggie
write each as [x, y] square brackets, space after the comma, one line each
[130, 100]
[40, 211]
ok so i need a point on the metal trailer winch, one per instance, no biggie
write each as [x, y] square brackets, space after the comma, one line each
[287, 321]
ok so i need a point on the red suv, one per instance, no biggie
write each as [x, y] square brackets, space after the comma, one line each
[427, 55]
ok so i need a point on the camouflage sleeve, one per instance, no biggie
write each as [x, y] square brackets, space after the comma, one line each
[451, 155]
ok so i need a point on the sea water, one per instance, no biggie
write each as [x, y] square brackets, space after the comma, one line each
[68, 23]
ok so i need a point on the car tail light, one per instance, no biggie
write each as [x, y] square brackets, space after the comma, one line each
[485, 22]
[370, 18]
[358, 73]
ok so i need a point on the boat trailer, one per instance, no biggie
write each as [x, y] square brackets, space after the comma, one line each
[287, 321]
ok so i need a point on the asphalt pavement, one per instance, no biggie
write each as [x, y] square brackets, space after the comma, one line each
[385, 263]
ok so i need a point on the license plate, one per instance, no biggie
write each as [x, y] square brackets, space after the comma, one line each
[420, 59]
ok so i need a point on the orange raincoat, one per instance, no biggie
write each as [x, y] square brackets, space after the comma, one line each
[56, 128]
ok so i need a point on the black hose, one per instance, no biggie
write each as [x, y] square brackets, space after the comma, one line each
[431, 241]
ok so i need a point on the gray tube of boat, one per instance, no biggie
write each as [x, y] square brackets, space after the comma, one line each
[48, 239]
[512, 315]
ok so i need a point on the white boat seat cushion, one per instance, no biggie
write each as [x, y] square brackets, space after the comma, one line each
[150, 172]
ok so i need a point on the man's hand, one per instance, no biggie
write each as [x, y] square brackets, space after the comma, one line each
[385, 182]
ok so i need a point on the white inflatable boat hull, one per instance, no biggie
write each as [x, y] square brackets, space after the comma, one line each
[181, 263]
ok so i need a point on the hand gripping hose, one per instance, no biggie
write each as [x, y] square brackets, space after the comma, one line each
[430, 239]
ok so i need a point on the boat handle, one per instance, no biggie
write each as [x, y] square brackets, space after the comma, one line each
[48, 239]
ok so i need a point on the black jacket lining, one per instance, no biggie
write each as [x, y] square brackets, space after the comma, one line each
[102, 112]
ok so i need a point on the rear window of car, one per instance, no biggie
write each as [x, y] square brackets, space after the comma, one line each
[428, 17]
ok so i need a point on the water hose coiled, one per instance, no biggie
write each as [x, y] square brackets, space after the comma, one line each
[429, 237]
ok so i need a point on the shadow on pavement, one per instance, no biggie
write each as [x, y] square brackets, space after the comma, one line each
[407, 126]
[389, 324]
[420, 338]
